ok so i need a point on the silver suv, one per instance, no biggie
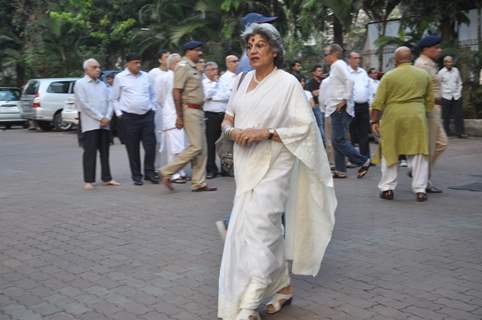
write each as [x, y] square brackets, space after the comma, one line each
[43, 100]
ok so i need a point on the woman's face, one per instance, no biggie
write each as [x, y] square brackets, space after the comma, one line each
[260, 53]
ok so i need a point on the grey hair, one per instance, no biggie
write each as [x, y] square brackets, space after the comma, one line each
[210, 63]
[448, 57]
[86, 63]
[336, 49]
[269, 32]
[173, 57]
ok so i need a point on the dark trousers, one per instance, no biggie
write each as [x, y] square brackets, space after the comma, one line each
[453, 109]
[139, 128]
[360, 128]
[342, 147]
[213, 132]
[91, 142]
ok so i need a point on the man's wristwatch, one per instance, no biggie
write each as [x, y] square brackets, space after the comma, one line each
[271, 132]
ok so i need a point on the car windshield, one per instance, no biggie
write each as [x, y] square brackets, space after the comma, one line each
[9, 94]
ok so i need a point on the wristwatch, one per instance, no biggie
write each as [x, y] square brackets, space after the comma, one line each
[271, 132]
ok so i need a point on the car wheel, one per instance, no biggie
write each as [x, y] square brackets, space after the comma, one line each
[59, 125]
[44, 125]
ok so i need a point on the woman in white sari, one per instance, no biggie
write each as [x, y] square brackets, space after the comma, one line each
[281, 168]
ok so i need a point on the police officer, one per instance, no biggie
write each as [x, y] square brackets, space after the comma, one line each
[189, 97]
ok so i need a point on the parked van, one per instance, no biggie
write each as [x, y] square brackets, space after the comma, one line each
[43, 100]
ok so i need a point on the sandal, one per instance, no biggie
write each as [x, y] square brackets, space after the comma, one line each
[387, 195]
[246, 314]
[179, 180]
[278, 302]
[363, 171]
[337, 175]
[111, 183]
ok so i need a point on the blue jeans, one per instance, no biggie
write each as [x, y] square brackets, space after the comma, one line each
[342, 147]
[320, 121]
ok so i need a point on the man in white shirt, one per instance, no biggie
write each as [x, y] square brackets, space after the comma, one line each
[95, 107]
[339, 107]
[451, 88]
[154, 74]
[360, 126]
[134, 103]
[216, 96]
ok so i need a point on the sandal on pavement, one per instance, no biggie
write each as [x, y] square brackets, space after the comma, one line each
[387, 195]
[246, 314]
[179, 180]
[278, 302]
[337, 175]
[421, 197]
[112, 183]
[363, 171]
[205, 188]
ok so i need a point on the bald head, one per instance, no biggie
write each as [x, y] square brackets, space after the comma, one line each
[403, 55]
[232, 63]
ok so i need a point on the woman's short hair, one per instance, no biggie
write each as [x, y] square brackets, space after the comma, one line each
[269, 32]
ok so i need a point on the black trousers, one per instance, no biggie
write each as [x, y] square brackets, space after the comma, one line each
[453, 109]
[139, 128]
[213, 132]
[360, 128]
[91, 142]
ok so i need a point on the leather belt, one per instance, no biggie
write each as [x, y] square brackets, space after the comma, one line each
[194, 106]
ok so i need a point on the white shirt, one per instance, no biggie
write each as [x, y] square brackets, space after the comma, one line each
[93, 102]
[163, 85]
[216, 95]
[227, 81]
[450, 83]
[133, 93]
[340, 87]
[373, 89]
[361, 85]
[154, 73]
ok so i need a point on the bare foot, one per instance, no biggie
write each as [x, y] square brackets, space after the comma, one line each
[88, 186]
[272, 308]
[168, 183]
[112, 183]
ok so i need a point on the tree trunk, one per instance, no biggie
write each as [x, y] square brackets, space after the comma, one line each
[20, 71]
[337, 31]
[447, 30]
[381, 49]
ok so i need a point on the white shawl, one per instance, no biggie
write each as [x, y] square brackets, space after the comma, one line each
[279, 102]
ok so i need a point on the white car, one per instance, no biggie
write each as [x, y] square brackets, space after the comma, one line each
[44, 99]
[70, 115]
[10, 109]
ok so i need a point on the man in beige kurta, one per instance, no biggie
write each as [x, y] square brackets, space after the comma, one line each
[189, 98]
[401, 103]
[430, 51]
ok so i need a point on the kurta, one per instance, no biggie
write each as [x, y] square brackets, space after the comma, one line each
[404, 96]
[291, 178]
[172, 139]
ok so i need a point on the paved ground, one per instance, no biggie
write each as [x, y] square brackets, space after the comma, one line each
[142, 253]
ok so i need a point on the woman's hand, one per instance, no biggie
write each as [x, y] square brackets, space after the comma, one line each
[247, 136]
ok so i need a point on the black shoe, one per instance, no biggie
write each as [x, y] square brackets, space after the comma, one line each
[155, 179]
[433, 189]
[138, 182]
[387, 195]
[211, 175]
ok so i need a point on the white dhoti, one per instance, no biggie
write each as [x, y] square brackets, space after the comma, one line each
[419, 166]
[174, 143]
[290, 179]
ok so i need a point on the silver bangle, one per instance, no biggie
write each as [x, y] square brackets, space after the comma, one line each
[227, 130]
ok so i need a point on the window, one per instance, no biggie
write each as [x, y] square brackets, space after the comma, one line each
[32, 87]
[9, 94]
[59, 87]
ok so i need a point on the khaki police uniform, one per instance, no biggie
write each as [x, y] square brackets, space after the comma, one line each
[438, 138]
[189, 80]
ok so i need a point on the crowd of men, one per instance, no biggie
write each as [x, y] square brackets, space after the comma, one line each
[175, 111]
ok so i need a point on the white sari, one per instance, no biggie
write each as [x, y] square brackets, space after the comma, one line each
[292, 177]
